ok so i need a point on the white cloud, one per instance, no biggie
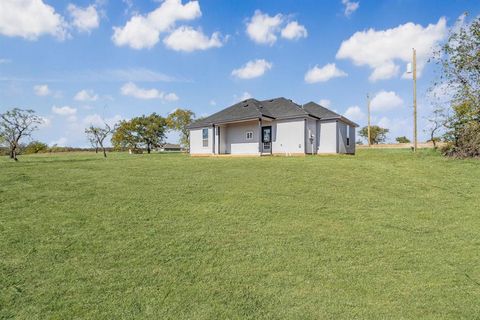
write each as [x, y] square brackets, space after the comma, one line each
[143, 31]
[97, 120]
[86, 95]
[45, 122]
[132, 90]
[64, 111]
[354, 113]
[62, 142]
[41, 90]
[243, 96]
[385, 100]
[252, 69]
[325, 103]
[293, 31]
[84, 19]
[397, 127]
[5, 61]
[262, 28]
[170, 97]
[325, 73]
[30, 19]
[350, 7]
[188, 39]
[265, 29]
[380, 50]
[213, 103]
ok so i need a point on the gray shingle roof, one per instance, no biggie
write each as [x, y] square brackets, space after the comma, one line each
[324, 113]
[244, 110]
[279, 108]
[319, 111]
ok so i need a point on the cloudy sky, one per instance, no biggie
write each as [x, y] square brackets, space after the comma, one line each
[85, 61]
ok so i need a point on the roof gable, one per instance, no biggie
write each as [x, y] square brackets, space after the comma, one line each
[319, 111]
[283, 108]
[323, 113]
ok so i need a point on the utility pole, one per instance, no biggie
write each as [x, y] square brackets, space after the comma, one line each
[414, 99]
[368, 108]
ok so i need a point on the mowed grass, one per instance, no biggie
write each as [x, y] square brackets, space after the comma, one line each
[383, 234]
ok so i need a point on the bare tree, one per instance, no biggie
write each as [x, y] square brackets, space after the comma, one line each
[16, 124]
[437, 120]
[93, 140]
[98, 135]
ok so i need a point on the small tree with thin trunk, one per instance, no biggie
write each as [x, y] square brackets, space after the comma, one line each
[98, 134]
[179, 120]
[437, 122]
[377, 134]
[93, 141]
[15, 125]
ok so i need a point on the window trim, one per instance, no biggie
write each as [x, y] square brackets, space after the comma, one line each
[205, 140]
[348, 135]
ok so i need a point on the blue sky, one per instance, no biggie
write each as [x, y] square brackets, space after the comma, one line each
[83, 62]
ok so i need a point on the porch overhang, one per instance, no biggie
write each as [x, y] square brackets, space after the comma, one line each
[222, 123]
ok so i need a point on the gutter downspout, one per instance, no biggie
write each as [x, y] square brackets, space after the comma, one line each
[305, 136]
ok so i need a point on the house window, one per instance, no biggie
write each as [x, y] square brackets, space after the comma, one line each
[205, 137]
[348, 135]
[249, 135]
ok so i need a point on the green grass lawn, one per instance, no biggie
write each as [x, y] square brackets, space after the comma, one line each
[383, 234]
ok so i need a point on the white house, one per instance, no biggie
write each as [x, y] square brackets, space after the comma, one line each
[272, 127]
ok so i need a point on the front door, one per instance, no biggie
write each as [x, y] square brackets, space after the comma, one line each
[267, 139]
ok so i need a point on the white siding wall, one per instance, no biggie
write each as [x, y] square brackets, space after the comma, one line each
[196, 141]
[311, 131]
[223, 140]
[327, 136]
[342, 137]
[351, 148]
[236, 141]
[288, 136]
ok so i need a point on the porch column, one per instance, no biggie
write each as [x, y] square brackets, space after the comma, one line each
[213, 137]
[260, 135]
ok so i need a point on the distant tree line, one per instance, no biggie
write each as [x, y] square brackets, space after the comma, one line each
[137, 134]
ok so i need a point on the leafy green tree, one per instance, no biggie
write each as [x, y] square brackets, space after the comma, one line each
[140, 132]
[459, 60]
[15, 125]
[35, 147]
[377, 134]
[179, 121]
[402, 139]
[125, 136]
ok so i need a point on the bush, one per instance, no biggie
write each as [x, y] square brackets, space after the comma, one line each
[35, 147]
[402, 139]
[467, 144]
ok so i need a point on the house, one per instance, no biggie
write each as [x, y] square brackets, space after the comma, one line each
[170, 147]
[272, 127]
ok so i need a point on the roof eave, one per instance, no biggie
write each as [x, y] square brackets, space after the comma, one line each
[211, 123]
